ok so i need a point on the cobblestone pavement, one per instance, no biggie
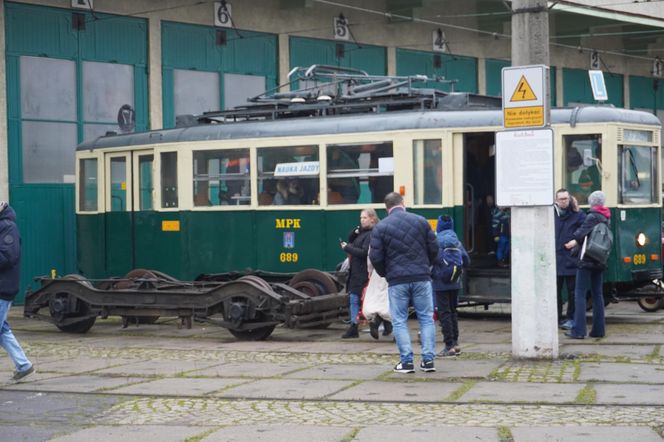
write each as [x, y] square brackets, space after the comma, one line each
[195, 384]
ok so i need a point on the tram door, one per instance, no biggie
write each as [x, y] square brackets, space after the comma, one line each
[118, 217]
[488, 279]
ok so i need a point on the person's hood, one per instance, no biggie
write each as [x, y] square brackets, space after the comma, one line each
[445, 222]
[447, 238]
[8, 213]
[602, 210]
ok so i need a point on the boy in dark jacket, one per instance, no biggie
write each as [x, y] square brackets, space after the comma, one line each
[10, 260]
[447, 291]
[500, 225]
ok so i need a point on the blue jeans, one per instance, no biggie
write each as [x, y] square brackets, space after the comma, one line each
[354, 300]
[420, 295]
[503, 250]
[587, 279]
[9, 342]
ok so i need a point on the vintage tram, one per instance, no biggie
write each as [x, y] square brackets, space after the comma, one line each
[274, 184]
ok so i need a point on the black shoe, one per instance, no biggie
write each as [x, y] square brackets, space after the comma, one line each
[404, 367]
[18, 375]
[387, 328]
[351, 332]
[427, 366]
[570, 335]
[373, 327]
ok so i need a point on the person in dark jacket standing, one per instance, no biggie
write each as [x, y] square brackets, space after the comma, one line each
[589, 275]
[447, 292]
[357, 248]
[10, 260]
[403, 249]
[568, 218]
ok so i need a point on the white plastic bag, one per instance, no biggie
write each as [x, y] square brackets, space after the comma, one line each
[376, 301]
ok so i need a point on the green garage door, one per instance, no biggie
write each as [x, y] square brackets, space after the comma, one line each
[451, 67]
[576, 87]
[71, 76]
[307, 51]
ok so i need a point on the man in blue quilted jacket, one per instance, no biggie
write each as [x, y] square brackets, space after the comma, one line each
[10, 259]
[403, 249]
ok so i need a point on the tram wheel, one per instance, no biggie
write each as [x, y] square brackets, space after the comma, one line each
[83, 309]
[314, 283]
[650, 304]
[256, 334]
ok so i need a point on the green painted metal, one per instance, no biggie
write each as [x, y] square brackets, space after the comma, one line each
[452, 67]
[45, 212]
[646, 93]
[576, 87]
[195, 47]
[308, 51]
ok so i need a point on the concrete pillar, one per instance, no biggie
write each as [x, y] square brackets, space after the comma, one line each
[391, 60]
[534, 305]
[4, 151]
[155, 77]
[481, 76]
[284, 62]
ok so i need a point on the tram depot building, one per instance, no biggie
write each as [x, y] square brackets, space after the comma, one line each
[77, 69]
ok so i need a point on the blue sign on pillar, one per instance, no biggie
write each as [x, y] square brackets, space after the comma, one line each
[598, 85]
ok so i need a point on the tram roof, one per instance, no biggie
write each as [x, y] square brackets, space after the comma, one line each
[357, 123]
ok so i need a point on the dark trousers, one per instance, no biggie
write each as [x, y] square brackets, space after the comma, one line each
[446, 301]
[587, 279]
[570, 283]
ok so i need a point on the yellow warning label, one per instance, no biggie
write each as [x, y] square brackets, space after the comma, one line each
[170, 226]
[523, 91]
[123, 185]
[524, 116]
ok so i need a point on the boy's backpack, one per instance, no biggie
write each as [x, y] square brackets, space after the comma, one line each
[451, 265]
[598, 243]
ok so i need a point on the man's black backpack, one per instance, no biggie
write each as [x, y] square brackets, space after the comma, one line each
[597, 244]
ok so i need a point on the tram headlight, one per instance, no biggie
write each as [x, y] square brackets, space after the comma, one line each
[641, 239]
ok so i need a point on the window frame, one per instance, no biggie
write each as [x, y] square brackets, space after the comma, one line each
[108, 182]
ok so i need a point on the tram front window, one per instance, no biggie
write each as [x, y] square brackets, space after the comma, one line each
[428, 171]
[638, 167]
[359, 173]
[87, 190]
[288, 176]
[583, 165]
[221, 177]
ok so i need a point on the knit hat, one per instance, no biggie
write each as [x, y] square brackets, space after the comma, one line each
[3, 205]
[445, 222]
[596, 198]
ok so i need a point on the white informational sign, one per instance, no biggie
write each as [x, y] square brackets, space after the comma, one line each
[83, 4]
[297, 169]
[524, 168]
[222, 15]
[598, 85]
[440, 41]
[524, 96]
[386, 165]
[341, 31]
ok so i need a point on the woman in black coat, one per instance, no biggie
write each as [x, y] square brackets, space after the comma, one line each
[357, 248]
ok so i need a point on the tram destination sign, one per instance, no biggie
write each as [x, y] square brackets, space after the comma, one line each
[524, 167]
[524, 96]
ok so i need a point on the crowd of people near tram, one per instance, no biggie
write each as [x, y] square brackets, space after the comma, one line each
[400, 264]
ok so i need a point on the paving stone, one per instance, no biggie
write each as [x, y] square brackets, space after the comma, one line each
[426, 434]
[285, 389]
[80, 365]
[157, 367]
[584, 433]
[347, 371]
[248, 369]
[486, 348]
[398, 391]
[455, 368]
[128, 432]
[290, 433]
[34, 433]
[179, 386]
[629, 394]
[629, 351]
[79, 383]
[621, 372]
[522, 392]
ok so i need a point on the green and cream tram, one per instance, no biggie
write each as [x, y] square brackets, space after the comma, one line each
[274, 186]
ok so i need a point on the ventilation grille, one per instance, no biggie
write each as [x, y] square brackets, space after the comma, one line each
[620, 135]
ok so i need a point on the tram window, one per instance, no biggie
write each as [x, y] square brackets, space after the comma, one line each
[288, 175]
[638, 167]
[145, 181]
[221, 177]
[583, 165]
[118, 184]
[169, 179]
[427, 171]
[359, 173]
[87, 185]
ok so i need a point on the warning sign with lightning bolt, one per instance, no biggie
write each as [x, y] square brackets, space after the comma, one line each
[523, 91]
[524, 102]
